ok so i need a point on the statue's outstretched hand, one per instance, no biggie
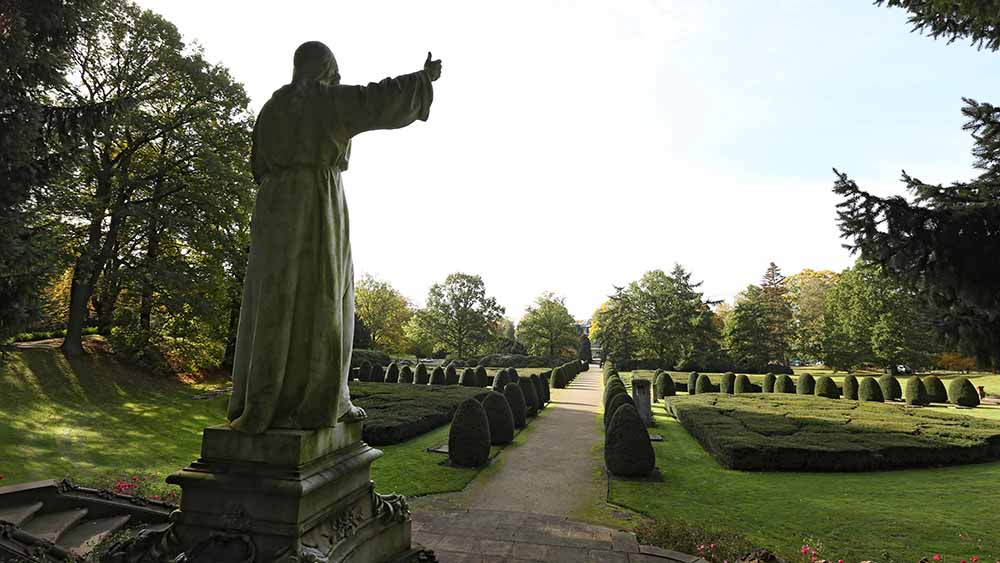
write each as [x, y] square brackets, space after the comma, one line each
[432, 67]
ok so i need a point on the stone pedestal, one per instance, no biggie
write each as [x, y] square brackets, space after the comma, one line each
[641, 398]
[288, 496]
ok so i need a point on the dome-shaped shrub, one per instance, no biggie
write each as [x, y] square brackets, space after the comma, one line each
[891, 389]
[728, 384]
[616, 401]
[421, 377]
[784, 384]
[963, 393]
[365, 372]
[469, 438]
[665, 385]
[378, 374]
[512, 375]
[743, 384]
[500, 380]
[515, 398]
[406, 375]
[916, 394]
[482, 378]
[627, 449]
[437, 376]
[693, 382]
[530, 396]
[451, 375]
[870, 390]
[392, 373]
[546, 387]
[500, 417]
[769, 380]
[825, 387]
[936, 391]
[468, 378]
[704, 385]
[851, 387]
[614, 385]
[806, 385]
[536, 382]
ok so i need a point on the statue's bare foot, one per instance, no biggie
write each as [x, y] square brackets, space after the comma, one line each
[353, 414]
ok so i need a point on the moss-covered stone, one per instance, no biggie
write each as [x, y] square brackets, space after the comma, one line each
[627, 449]
[743, 384]
[704, 385]
[916, 393]
[935, 389]
[784, 384]
[806, 384]
[870, 390]
[728, 384]
[530, 396]
[825, 387]
[512, 392]
[891, 389]
[406, 375]
[392, 373]
[665, 385]
[469, 437]
[421, 377]
[769, 380]
[500, 417]
[963, 393]
[693, 382]
[616, 401]
[437, 376]
[851, 387]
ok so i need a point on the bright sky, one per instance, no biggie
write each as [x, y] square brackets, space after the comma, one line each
[575, 145]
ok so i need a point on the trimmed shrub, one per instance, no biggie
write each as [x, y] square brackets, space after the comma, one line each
[614, 385]
[406, 375]
[373, 357]
[851, 387]
[891, 390]
[806, 384]
[704, 385]
[784, 384]
[482, 378]
[627, 449]
[825, 387]
[515, 398]
[870, 390]
[512, 375]
[769, 380]
[518, 361]
[378, 374]
[365, 372]
[728, 383]
[916, 393]
[546, 388]
[468, 378]
[536, 382]
[392, 373]
[451, 375]
[935, 389]
[608, 370]
[500, 380]
[743, 385]
[693, 382]
[421, 377]
[665, 385]
[469, 438]
[616, 401]
[500, 417]
[530, 396]
[963, 393]
[437, 376]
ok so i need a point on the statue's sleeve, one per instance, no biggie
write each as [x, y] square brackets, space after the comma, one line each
[389, 104]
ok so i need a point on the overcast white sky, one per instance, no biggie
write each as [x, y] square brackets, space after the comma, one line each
[575, 145]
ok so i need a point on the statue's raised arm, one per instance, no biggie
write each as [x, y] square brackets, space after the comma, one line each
[389, 104]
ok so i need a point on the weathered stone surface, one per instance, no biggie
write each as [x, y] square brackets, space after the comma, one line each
[641, 397]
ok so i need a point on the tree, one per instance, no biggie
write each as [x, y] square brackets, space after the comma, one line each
[547, 328]
[945, 242]
[384, 312]
[807, 292]
[460, 317]
[613, 326]
[747, 334]
[777, 314]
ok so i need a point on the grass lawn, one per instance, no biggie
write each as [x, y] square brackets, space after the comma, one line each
[899, 515]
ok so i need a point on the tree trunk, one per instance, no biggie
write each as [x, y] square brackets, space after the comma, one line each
[149, 265]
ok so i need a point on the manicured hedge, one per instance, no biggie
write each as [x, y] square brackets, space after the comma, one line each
[704, 385]
[392, 373]
[665, 386]
[728, 384]
[807, 433]
[743, 385]
[769, 380]
[616, 401]
[851, 387]
[437, 376]
[377, 374]
[935, 389]
[806, 384]
[627, 449]
[613, 387]
[784, 384]
[469, 435]
[891, 389]
[406, 375]
[963, 393]
[451, 375]
[870, 390]
[537, 383]
[693, 382]
[365, 372]
[564, 374]
[400, 412]
[372, 357]
[468, 378]
[500, 417]
[826, 388]
[916, 394]
[515, 398]
[530, 396]
[421, 377]
[518, 361]
[482, 378]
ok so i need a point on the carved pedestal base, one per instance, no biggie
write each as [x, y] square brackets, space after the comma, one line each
[288, 496]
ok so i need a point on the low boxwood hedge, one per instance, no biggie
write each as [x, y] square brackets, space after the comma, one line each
[870, 390]
[851, 387]
[916, 394]
[935, 389]
[826, 388]
[963, 393]
[704, 385]
[891, 389]
[806, 384]
[784, 384]
[769, 380]
[400, 412]
[743, 385]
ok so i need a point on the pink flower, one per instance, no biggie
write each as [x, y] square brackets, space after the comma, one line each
[805, 549]
[936, 557]
[840, 561]
[975, 559]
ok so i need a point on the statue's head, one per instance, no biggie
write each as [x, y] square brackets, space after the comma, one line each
[314, 62]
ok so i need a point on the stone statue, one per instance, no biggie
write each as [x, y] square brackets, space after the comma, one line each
[296, 328]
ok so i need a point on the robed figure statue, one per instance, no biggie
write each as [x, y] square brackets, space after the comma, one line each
[296, 328]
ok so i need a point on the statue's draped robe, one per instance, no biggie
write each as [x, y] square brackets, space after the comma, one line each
[296, 329]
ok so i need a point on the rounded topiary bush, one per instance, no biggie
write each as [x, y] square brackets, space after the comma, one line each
[468, 378]
[784, 384]
[530, 396]
[627, 449]
[665, 386]
[728, 384]
[536, 382]
[512, 375]
[916, 393]
[365, 372]
[482, 378]
[421, 377]
[616, 401]
[546, 390]
[870, 390]
[743, 384]
[500, 380]
[515, 398]
[851, 387]
[378, 374]
[769, 380]
[963, 393]
[614, 385]
[437, 376]
[806, 385]
[469, 438]
[825, 387]
[891, 389]
[704, 385]
[392, 373]
[693, 382]
[936, 391]
[406, 375]
[451, 375]
[500, 417]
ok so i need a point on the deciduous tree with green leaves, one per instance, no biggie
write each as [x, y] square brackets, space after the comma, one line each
[547, 328]
[459, 317]
[384, 311]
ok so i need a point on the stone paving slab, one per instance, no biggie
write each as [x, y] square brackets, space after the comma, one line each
[481, 536]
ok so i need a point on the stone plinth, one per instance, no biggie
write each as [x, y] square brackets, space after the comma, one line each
[289, 496]
[641, 398]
